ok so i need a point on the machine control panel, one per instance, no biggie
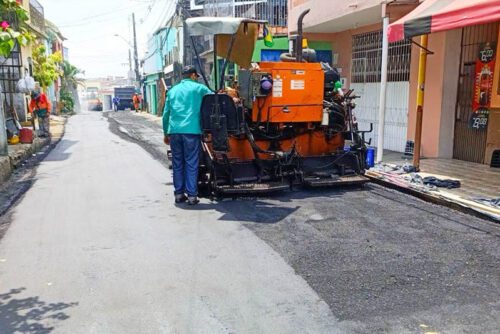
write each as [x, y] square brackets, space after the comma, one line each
[250, 86]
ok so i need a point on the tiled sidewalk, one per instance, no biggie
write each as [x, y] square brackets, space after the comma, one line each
[477, 180]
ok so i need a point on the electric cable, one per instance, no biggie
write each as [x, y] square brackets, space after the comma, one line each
[90, 19]
[169, 29]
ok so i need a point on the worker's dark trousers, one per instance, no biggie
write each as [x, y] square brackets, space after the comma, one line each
[44, 125]
[185, 159]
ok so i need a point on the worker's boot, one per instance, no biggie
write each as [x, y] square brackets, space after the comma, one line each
[193, 200]
[180, 198]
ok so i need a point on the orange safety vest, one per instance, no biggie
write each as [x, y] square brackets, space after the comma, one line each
[40, 103]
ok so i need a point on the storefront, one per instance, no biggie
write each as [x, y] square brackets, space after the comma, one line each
[458, 114]
[365, 80]
[492, 156]
[354, 34]
[473, 119]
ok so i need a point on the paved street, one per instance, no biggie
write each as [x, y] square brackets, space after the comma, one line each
[97, 246]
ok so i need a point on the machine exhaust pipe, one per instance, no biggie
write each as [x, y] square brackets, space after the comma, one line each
[298, 54]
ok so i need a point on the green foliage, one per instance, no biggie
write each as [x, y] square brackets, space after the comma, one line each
[69, 84]
[70, 79]
[67, 101]
[46, 68]
[13, 20]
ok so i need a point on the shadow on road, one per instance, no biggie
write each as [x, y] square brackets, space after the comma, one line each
[61, 153]
[29, 315]
[259, 212]
[263, 210]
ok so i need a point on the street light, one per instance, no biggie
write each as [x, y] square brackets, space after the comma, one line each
[130, 45]
[124, 39]
[137, 77]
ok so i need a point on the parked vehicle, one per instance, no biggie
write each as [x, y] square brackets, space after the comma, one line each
[125, 95]
[95, 104]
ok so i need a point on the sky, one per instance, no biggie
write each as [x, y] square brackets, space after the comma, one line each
[90, 26]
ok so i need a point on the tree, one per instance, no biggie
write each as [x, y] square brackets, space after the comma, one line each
[13, 20]
[69, 85]
[46, 68]
[69, 78]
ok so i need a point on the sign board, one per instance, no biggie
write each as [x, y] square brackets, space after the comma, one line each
[483, 86]
[495, 98]
[297, 84]
[278, 87]
[479, 119]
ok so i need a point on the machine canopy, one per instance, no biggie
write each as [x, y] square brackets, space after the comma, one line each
[245, 30]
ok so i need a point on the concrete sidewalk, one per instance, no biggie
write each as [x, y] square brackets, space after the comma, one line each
[477, 181]
[21, 152]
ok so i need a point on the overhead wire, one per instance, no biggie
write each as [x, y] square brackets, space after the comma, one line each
[151, 5]
[99, 21]
[164, 41]
[164, 11]
[92, 18]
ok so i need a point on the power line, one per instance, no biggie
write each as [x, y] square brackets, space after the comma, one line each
[164, 12]
[98, 21]
[169, 29]
[151, 5]
[89, 19]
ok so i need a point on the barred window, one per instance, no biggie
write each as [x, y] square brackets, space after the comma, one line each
[367, 58]
[273, 11]
[10, 71]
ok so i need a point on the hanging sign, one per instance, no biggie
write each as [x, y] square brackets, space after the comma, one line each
[483, 86]
[479, 119]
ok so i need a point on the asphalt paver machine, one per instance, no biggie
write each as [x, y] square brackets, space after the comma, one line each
[290, 124]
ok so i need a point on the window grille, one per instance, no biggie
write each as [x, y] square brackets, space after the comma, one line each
[367, 59]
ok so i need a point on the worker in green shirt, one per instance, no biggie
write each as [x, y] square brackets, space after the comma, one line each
[182, 130]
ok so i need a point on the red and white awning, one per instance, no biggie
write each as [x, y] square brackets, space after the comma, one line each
[440, 15]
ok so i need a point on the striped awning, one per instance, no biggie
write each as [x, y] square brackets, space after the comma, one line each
[439, 15]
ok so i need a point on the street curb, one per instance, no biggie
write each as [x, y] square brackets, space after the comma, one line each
[37, 145]
[5, 169]
[34, 161]
[433, 199]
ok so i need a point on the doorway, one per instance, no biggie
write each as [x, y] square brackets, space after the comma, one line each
[469, 144]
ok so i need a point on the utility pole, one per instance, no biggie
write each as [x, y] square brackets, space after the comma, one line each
[3, 133]
[136, 59]
[130, 74]
[186, 54]
[129, 60]
[383, 84]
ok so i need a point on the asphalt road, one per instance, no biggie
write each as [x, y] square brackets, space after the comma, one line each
[97, 246]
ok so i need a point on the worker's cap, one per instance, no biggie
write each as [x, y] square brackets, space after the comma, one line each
[189, 70]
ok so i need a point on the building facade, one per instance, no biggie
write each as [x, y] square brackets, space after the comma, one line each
[161, 66]
[54, 43]
[355, 30]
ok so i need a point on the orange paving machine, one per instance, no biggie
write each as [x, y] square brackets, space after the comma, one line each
[282, 124]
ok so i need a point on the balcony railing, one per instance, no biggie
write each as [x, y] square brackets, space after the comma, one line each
[273, 11]
[37, 15]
